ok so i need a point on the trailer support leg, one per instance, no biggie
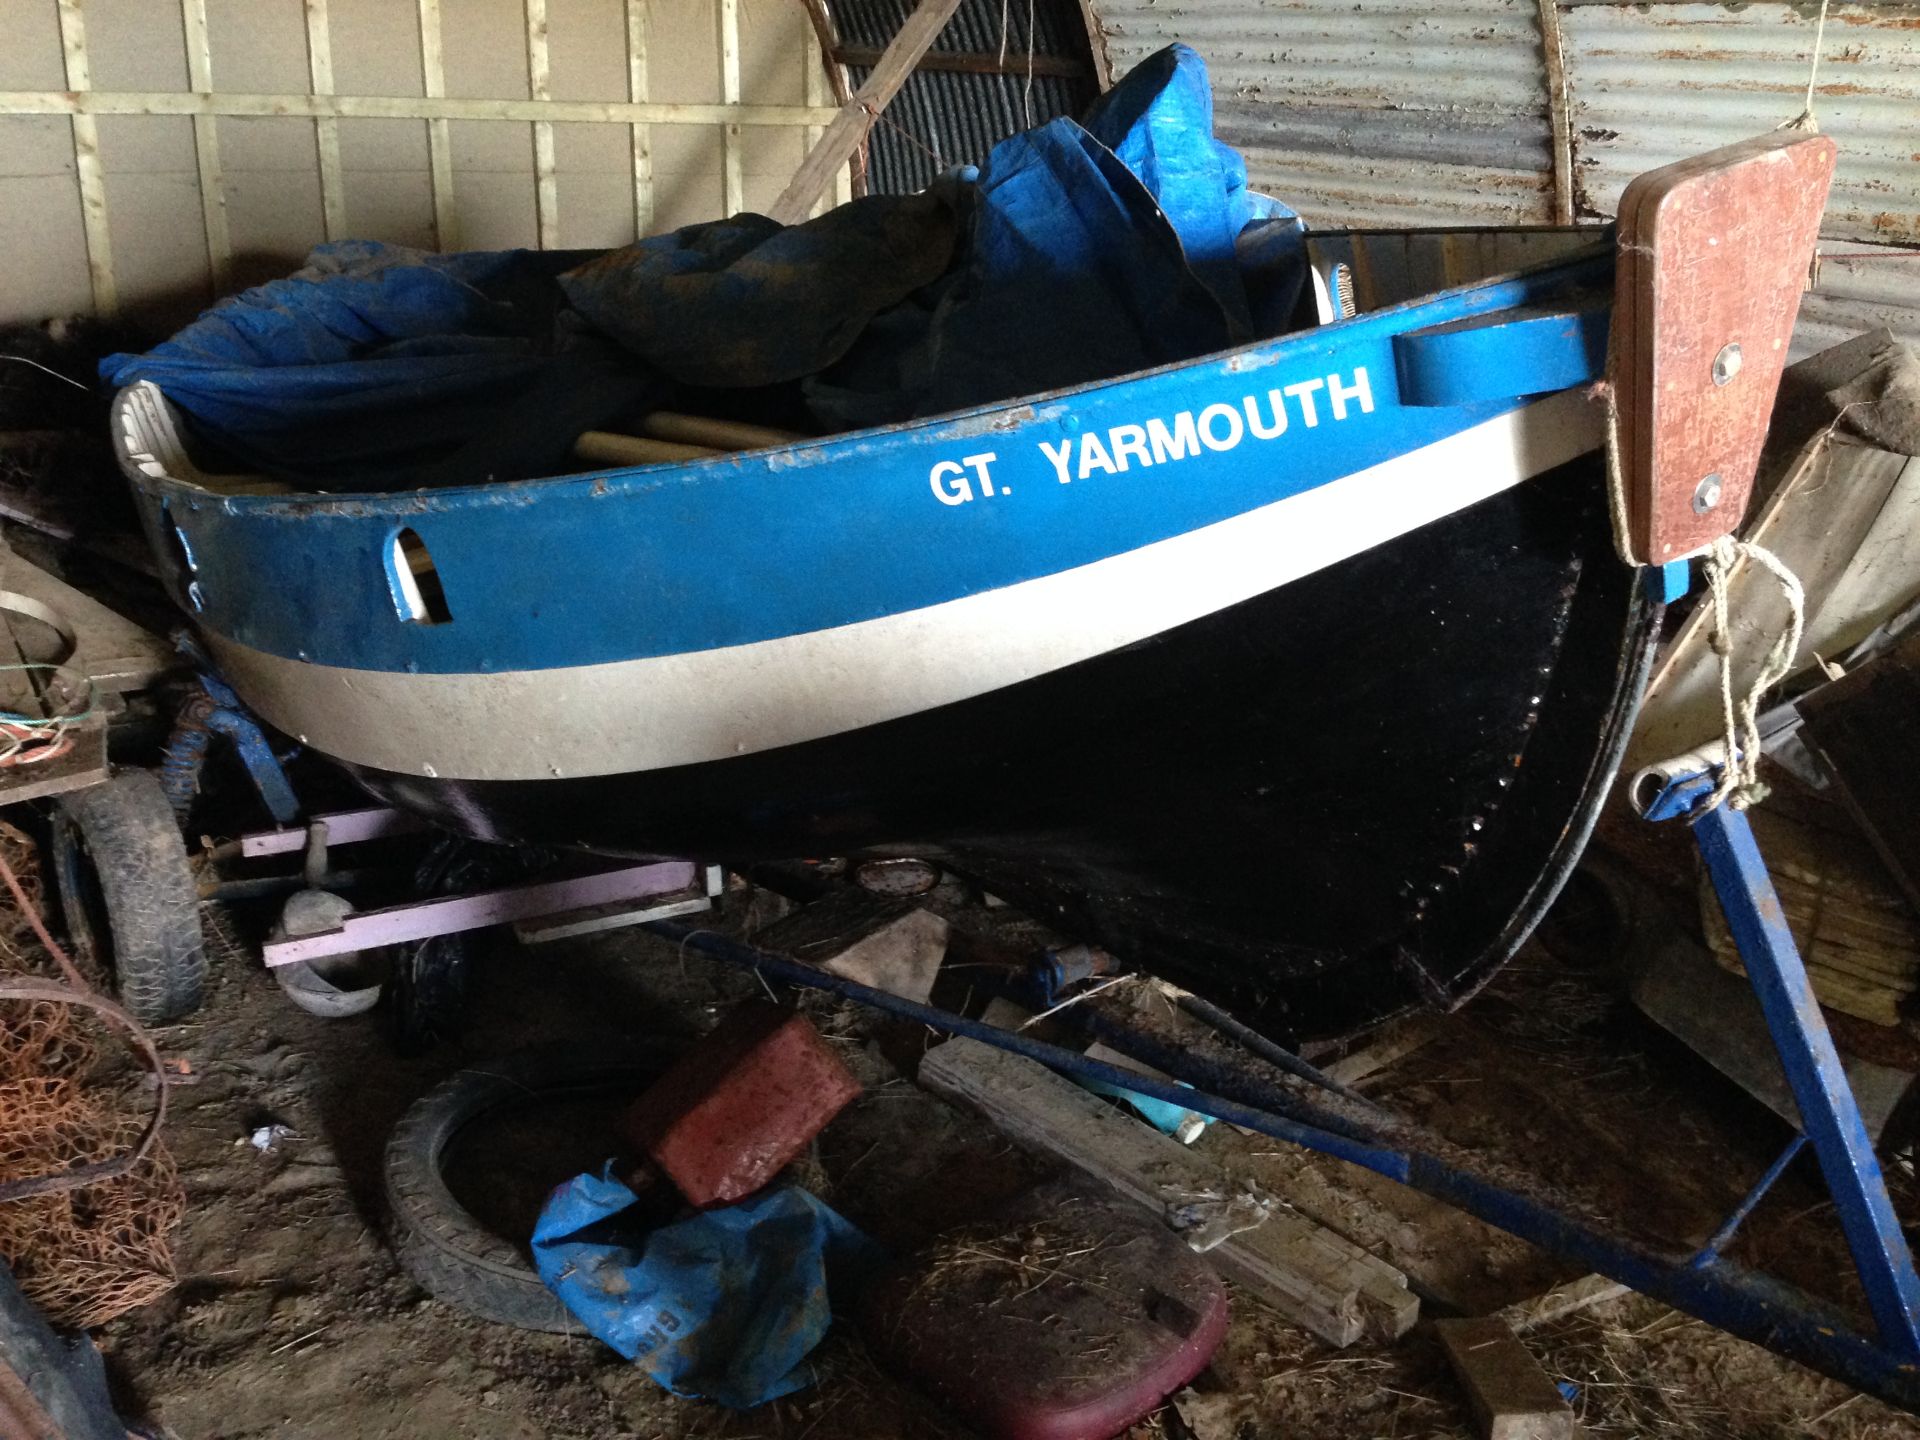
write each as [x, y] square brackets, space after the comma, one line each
[1828, 1113]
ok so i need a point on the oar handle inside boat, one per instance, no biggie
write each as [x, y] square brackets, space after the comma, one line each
[604, 447]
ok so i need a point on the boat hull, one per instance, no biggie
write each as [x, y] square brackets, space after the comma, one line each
[1350, 795]
[1291, 673]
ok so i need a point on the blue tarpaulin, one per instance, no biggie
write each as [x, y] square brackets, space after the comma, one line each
[724, 1305]
[1079, 251]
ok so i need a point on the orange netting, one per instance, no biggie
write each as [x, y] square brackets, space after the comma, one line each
[88, 1254]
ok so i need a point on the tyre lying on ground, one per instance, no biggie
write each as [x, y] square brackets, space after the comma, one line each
[444, 1247]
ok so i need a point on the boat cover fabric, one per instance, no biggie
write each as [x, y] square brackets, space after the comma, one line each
[1079, 251]
[724, 1305]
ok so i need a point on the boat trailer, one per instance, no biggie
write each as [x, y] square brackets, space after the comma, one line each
[1267, 1089]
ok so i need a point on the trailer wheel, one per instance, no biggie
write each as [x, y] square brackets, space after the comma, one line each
[447, 1251]
[128, 895]
[427, 994]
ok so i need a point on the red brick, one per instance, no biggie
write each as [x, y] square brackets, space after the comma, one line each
[739, 1106]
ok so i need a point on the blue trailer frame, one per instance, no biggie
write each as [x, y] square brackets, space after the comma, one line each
[1290, 1101]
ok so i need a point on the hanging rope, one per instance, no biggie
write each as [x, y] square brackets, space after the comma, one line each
[1806, 119]
[1616, 479]
[1026, 92]
[1740, 776]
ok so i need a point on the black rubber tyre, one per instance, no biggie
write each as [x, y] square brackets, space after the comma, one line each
[445, 1249]
[427, 994]
[128, 894]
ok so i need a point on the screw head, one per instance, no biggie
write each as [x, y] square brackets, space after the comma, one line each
[1726, 364]
[1706, 494]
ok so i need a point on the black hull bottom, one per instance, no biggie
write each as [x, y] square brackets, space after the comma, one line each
[1345, 797]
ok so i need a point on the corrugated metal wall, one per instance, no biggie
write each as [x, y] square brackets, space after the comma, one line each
[1444, 112]
[1387, 113]
[940, 118]
[1648, 84]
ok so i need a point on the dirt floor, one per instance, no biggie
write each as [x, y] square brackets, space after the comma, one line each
[291, 1318]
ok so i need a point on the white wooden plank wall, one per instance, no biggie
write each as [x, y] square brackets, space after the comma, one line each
[157, 153]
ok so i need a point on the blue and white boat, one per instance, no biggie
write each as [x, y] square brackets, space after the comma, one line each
[1296, 673]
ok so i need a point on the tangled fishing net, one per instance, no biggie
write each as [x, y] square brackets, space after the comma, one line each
[87, 1254]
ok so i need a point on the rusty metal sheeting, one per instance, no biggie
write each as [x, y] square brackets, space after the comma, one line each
[1651, 83]
[1392, 113]
[1860, 288]
[940, 118]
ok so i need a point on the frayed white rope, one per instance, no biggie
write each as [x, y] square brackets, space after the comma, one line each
[1616, 477]
[1806, 119]
[1740, 776]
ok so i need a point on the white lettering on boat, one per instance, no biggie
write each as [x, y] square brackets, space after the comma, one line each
[1163, 440]
[1176, 443]
[949, 480]
[979, 465]
[950, 485]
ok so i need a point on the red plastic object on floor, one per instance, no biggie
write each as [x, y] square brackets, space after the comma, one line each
[740, 1105]
[1070, 1317]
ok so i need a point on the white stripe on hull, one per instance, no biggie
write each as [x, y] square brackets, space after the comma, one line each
[649, 714]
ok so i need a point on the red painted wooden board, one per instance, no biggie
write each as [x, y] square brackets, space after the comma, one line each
[1714, 252]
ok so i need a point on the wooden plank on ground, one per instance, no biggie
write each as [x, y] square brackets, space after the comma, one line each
[1561, 1301]
[1510, 1395]
[1312, 1276]
[847, 129]
[1395, 1042]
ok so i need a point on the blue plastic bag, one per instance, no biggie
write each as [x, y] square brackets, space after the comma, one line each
[725, 1305]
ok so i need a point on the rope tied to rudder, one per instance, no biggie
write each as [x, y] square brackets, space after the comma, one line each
[1806, 119]
[1740, 784]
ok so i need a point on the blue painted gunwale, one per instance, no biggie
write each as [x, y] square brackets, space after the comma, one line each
[618, 564]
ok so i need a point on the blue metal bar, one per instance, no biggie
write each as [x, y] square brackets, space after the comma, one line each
[1667, 583]
[263, 766]
[1723, 1237]
[1828, 1113]
[1752, 1306]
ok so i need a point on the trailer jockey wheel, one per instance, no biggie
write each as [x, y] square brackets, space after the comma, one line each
[131, 907]
[427, 996]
